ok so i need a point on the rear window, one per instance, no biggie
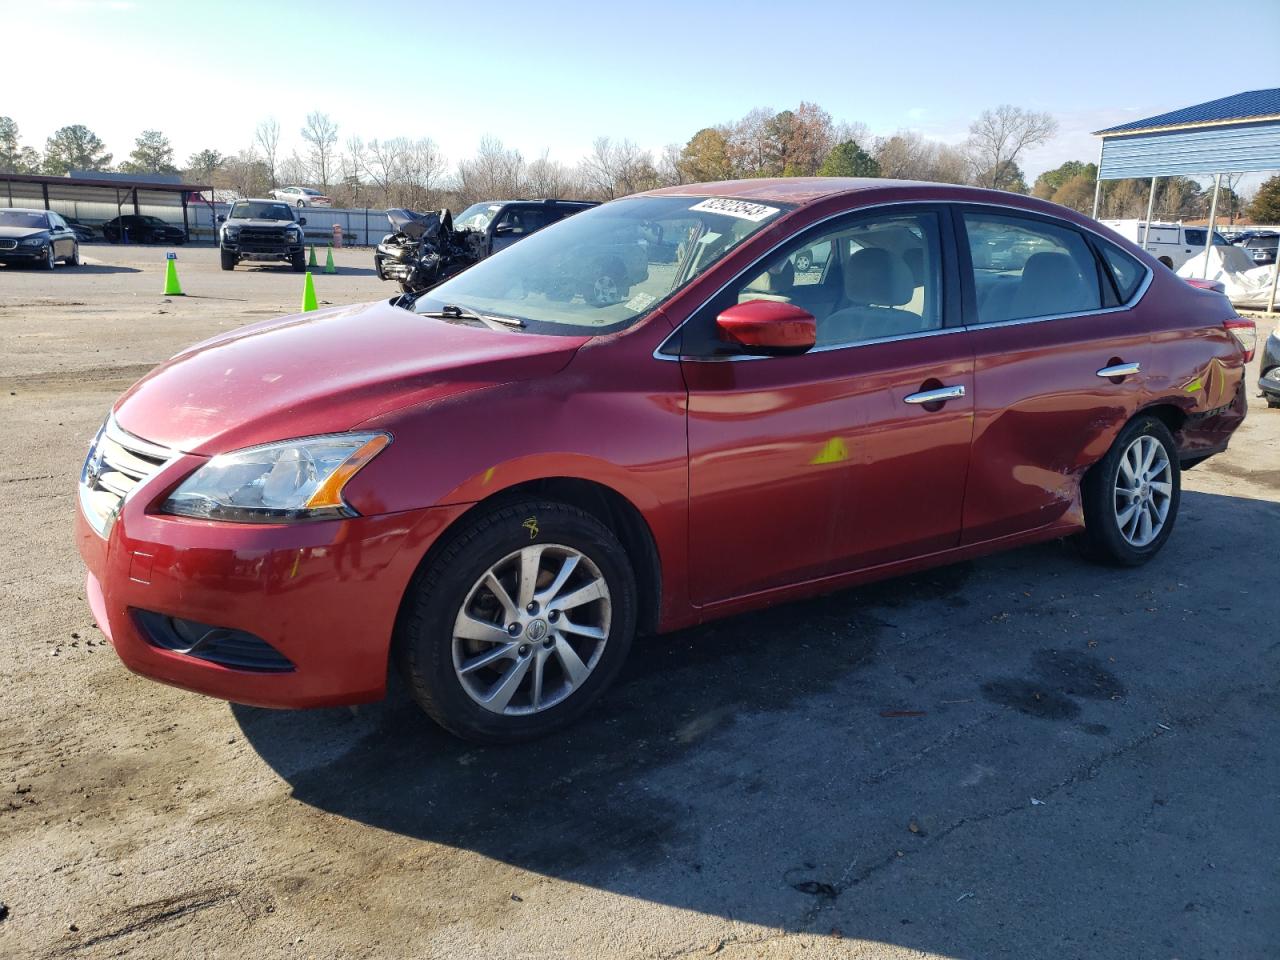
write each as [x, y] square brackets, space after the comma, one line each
[1127, 272]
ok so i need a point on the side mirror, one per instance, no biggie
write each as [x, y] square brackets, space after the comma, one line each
[222, 218]
[503, 230]
[769, 328]
[302, 221]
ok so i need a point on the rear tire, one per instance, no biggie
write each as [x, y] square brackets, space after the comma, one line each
[441, 667]
[1131, 502]
[228, 259]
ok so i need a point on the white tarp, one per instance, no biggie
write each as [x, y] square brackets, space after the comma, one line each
[1234, 269]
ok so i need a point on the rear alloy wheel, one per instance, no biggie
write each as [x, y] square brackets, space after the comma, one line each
[1131, 496]
[804, 261]
[519, 623]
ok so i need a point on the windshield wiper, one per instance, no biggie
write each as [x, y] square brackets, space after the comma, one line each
[451, 311]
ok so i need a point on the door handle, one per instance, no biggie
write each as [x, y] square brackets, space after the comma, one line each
[1120, 370]
[941, 395]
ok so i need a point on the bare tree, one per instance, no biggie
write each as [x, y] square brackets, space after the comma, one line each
[267, 136]
[322, 134]
[670, 168]
[998, 137]
[494, 173]
[247, 174]
[423, 167]
[548, 179]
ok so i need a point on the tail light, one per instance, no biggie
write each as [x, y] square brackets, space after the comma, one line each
[1246, 334]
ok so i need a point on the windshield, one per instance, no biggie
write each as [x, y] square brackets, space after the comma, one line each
[600, 270]
[251, 210]
[478, 216]
[18, 218]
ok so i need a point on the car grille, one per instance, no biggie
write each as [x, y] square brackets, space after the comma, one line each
[264, 238]
[117, 462]
[8, 244]
[236, 649]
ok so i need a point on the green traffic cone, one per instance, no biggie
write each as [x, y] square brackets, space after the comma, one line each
[312, 261]
[172, 288]
[309, 294]
[328, 261]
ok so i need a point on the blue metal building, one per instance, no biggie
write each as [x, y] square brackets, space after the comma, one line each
[1235, 134]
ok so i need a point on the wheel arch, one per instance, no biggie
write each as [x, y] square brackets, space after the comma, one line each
[604, 503]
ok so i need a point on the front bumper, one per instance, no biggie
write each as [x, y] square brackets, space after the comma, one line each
[24, 255]
[324, 595]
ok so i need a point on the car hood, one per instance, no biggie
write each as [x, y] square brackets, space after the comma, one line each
[324, 372]
[17, 233]
[279, 224]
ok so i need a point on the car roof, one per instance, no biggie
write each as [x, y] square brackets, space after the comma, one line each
[23, 210]
[804, 190]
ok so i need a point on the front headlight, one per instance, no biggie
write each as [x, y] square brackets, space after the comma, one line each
[279, 482]
[230, 233]
[295, 233]
[39, 241]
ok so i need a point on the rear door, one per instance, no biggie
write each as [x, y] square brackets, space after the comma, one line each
[1060, 362]
[853, 454]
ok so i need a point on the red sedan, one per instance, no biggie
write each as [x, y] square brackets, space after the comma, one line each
[673, 407]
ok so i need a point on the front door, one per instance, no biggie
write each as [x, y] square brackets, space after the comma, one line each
[853, 454]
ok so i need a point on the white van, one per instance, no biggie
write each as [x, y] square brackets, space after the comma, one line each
[1171, 243]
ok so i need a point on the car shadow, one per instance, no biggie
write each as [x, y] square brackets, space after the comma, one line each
[803, 766]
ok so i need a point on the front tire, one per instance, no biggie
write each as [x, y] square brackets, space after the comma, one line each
[228, 259]
[50, 258]
[1131, 496]
[299, 263]
[519, 623]
[74, 259]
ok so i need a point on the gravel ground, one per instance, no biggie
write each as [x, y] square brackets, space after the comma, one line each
[1024, 757]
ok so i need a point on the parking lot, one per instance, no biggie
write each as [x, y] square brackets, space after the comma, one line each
[1024, 756]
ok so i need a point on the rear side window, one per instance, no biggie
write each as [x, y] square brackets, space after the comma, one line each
[1124, 269]
[1025, 268]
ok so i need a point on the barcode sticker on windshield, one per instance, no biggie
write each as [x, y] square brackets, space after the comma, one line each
[741, 209]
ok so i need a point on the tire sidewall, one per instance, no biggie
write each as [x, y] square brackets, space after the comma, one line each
[1100, 517]
[425, 637]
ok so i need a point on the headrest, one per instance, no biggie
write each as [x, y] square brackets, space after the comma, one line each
[1050, 269]
[877, 277]
[777, 279]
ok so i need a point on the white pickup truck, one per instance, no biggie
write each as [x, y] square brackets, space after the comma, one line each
[1171, 243]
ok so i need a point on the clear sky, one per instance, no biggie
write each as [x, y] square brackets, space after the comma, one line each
[555, 75]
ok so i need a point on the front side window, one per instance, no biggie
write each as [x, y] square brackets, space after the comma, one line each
[601, 270]
[868, 278]
[1025, 268]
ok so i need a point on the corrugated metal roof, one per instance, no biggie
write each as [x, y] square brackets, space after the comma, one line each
[96, 179]
[1253, 104]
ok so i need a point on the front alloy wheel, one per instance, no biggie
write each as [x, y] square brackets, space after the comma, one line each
[517, 621]
[532, 629]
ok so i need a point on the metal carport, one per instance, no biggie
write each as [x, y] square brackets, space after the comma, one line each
[1235, 134]
[98, 189]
